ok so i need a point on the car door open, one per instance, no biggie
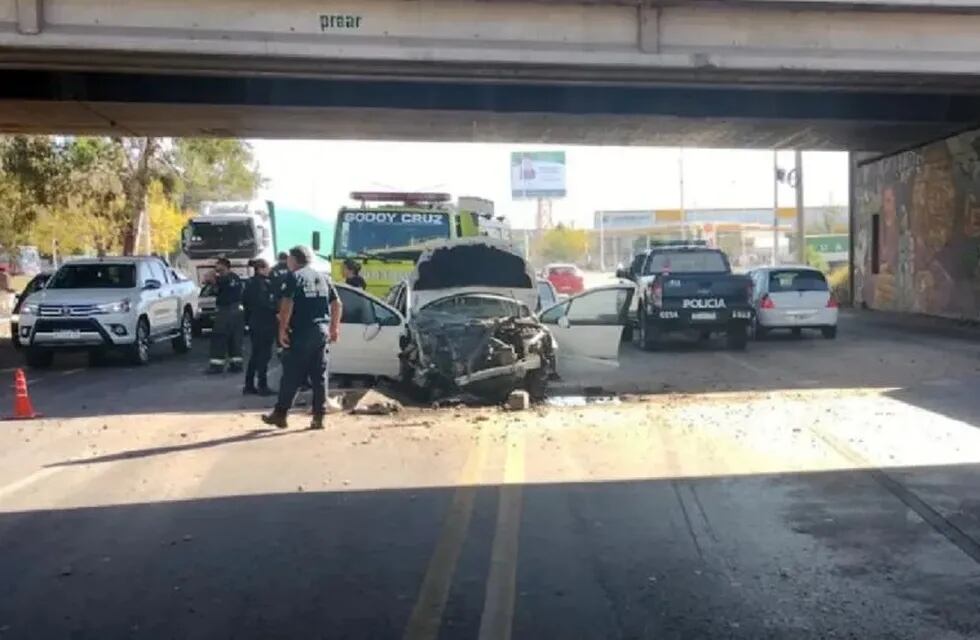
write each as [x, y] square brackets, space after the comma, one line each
[369, 332]
[588, 328]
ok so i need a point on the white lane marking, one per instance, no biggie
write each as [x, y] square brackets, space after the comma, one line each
[27, 480]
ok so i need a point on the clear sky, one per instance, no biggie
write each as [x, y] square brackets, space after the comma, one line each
[319, 176]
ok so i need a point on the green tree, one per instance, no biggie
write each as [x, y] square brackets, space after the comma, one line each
[215, 169]
[563, 244]
[89, 194]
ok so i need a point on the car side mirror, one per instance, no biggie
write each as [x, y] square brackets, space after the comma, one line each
[563, 322]
[316, 241]
[621, 273]
[151, 284]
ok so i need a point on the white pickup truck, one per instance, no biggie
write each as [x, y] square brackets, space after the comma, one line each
[112, 303]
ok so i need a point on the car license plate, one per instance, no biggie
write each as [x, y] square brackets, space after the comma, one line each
[68, 334]
[704, 315]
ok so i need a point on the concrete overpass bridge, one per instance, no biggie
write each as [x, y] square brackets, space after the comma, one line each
[874, 75]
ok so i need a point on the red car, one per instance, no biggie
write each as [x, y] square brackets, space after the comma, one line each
[566, 278]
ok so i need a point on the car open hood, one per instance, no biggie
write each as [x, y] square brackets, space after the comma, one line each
[475, 265]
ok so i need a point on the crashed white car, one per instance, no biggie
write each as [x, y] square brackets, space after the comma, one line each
[463, 323]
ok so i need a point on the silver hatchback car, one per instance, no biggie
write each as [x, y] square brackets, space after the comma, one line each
[794, 298]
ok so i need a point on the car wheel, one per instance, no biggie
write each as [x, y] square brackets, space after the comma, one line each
[38, 358]
[139, 351]
[196, 329]
[829, 332]
[536, 383]
[737, 337]
[797, 333]
[184, 340]
[758, 331]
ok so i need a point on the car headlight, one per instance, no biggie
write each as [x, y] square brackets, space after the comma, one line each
[113, 307]
[29, 310]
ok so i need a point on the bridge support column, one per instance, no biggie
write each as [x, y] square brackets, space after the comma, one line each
[29, 16]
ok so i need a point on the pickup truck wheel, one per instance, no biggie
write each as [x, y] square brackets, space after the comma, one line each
[182, 341]
[649, 335]
[38, 358]
[139, 352]
[196, 329]
[738, 337]
[797, 333]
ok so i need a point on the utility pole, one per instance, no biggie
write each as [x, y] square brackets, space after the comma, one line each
[775, 206]
[800, 222]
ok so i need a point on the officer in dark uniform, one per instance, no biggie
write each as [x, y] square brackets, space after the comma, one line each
[309, 320]
[229, 320]
[260, 301]
[278, 274]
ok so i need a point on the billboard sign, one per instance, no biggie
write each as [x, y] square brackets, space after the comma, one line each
[537, 174]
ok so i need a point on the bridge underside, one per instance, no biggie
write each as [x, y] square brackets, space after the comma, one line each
[734, 115]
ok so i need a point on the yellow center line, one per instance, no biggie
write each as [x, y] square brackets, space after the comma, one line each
[426, 616]
[498, 606]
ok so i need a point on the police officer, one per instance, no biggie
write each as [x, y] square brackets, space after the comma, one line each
[260, 300]
[309, 320]
[279, 273]
[229, 321]
[352, 274]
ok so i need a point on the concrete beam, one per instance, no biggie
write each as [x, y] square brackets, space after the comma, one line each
[735, 41]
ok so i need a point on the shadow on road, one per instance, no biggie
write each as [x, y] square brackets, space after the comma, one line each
[255, 434]
[801, 556]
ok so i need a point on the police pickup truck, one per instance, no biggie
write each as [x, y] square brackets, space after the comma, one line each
[690, 287]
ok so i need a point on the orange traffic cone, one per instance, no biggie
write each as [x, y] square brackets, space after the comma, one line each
[22, 400]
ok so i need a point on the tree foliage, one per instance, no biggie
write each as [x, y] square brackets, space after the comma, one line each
[563, 244]
[92, 194]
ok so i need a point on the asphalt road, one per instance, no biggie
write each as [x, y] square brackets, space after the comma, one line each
[801, 489]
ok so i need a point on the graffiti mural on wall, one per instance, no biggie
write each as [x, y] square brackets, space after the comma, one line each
[928, 207]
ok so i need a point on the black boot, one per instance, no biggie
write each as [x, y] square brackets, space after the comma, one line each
[264, 390]
[317, 422]
[276, 419]
[249, 390]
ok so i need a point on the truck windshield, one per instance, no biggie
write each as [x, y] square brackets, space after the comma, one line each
[94, 276]
[363, 232]
[221, 236]
[686, 262]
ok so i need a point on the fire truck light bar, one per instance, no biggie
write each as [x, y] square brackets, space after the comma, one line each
[405, 197]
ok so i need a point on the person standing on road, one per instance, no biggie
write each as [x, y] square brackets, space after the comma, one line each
[259, 301]
[229, 320]
[309, 320]
[278, 275]
[352, 274]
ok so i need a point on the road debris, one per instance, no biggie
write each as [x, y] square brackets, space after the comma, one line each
[518, 400]
[375, 403]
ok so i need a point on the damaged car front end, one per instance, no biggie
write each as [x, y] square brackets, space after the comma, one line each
[476, 344]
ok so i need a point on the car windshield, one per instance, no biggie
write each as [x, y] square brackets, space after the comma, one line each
[686, 262]
[796, 280]
[562, 271]
[363, 232]
[215, 236]
[94, 276]
[478, 307]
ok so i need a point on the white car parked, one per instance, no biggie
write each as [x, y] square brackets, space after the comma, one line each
[793, 298]
[124, 303]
